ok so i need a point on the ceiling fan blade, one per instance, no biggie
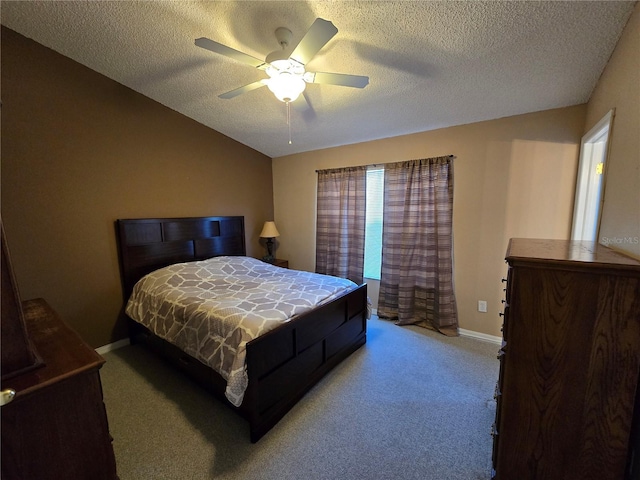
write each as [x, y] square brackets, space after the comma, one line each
[246, 88]
[216, 47]
[342, 79]
[304, 107]
[301, 104]
[320, 32]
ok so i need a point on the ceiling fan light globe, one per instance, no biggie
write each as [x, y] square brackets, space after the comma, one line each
[286, 86]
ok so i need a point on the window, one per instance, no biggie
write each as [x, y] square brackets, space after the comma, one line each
[411, 201]
[373, 228]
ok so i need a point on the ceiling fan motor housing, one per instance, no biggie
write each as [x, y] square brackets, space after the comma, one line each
[284, 36]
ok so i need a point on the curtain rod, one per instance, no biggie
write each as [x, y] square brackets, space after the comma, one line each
[375, 164]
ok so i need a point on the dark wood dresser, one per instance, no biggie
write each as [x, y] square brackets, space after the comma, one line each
[567, 392]
[55, 426]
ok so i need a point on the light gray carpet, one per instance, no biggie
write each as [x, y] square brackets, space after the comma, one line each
[410, 404]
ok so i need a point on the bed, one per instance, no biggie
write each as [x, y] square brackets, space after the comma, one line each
[281, 364]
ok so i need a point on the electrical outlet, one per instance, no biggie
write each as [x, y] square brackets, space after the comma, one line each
[482, 306]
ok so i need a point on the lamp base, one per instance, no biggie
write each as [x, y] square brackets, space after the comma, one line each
[269, 256]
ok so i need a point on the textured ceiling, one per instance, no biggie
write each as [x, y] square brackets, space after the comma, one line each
[430, 64]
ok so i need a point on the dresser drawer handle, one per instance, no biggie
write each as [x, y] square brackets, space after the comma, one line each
[7, 396]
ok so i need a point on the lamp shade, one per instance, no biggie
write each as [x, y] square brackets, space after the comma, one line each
[269, 230]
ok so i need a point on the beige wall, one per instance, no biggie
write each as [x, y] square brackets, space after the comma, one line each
[79, 151]
[619, 88]
[514, 177]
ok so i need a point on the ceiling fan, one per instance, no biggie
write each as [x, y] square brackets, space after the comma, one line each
[287, 77]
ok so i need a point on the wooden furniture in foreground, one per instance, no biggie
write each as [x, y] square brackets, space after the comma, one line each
[282, 364]
[569, 364]
[17, 351]
[56, 425]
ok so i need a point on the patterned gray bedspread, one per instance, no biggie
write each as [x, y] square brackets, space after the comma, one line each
[210, 309]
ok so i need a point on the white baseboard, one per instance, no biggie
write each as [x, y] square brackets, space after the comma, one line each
[113, 346]
[468, 333]
[480, 336]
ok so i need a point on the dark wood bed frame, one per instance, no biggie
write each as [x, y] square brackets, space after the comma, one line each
[283, 364]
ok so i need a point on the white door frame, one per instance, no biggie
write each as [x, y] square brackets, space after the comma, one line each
[590, 182]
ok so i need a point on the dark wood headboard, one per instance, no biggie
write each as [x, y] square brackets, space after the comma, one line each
[146, 244]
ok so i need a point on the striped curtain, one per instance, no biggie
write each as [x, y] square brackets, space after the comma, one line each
[416, 282]
[340, 222]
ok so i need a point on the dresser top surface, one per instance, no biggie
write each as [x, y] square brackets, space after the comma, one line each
[63, 352]
[568, 252]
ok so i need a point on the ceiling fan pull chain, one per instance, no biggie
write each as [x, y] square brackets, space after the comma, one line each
[289, 120]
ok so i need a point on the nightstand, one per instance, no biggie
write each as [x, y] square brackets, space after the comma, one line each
[278, 262]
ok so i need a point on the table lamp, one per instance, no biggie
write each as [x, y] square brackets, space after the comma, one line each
[269, 231]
